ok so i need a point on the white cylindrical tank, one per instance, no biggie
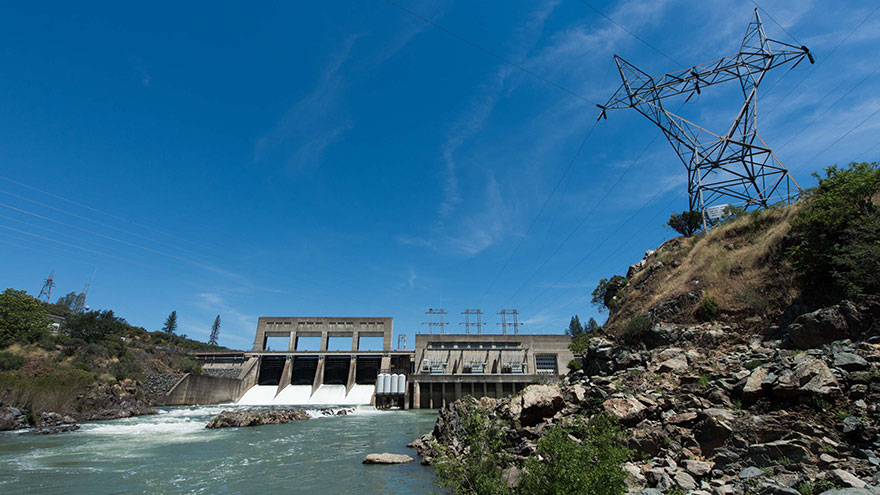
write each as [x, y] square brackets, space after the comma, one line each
[393, 386]
[401, 384]
[380, 385]
[387, 386]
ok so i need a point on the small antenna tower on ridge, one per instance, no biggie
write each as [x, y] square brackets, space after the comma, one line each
[514, 314]
[468, 323]
[48, 284]
[736, 164]
[431, 323]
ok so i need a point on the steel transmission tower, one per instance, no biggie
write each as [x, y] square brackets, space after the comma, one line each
[431, 312]
[738, 164]
[514, 314]
[468, 323]
[79, 304]
[48, 284]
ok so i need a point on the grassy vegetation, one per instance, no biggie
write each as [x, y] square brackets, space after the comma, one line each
[584, 458]
[47, 371]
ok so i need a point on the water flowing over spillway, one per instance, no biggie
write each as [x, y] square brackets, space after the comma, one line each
[301, 395]
[173, 453]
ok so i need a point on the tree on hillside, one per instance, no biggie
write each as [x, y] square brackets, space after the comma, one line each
[574, 328]
[215, 331]
[605, 294]
[686, 223]
[836, 237]
[68, 300]
[592, 326]
[22, 318]
[94, 326]
[170, 326]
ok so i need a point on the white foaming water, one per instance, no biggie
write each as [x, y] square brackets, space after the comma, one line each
[258, 395]
[301, 395]
[170, 424]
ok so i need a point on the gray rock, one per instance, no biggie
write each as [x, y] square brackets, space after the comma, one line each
[753, 389]
[850, 362]
[511, 476]
[386, 458]
[697, 468]
[537, 402]
[750, 472]
[684, 481]
[628, 411]
[824, 326]
[847, 479]
[868, 490]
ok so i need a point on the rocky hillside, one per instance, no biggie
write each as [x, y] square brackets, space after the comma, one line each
[95, 367]
[741, 361]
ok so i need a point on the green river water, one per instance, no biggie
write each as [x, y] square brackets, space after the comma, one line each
[172, 453]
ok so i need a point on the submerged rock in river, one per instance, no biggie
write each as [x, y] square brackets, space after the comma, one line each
[387, 458]
[238, 418]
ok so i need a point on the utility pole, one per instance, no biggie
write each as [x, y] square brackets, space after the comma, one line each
[431, 312]
[735, 166]
[468, 323]
[48, 284]
[514, 314]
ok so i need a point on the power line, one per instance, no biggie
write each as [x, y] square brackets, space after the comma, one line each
[847, 133]
[774, 22]
[162, 253]
[583, 219]
[543, 207]
[634, 35]
[816, 67]
[81, 217]
[489, 52]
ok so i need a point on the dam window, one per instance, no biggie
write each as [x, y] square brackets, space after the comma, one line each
[308, 343]
[276, 343]
[371, 343]
[339, 343]
[546, 364]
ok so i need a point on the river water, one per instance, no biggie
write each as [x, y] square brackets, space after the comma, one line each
[172, 453]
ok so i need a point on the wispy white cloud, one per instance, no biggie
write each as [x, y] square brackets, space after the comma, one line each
[314, 122]
[236, 326]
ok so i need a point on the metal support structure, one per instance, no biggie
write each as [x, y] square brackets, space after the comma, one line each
[514, 314]
[431, 323]
[737, 165]
[468, 323]
[48, 284]
[79, 304]
[401, 341]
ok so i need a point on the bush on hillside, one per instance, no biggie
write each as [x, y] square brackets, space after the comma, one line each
[836, 236]
[686, 223]
[10, 361]
[708, 309]
[593, 466]
[478, 469]
[605, 295]
[23, 319]
[635, 329]
[575, 365]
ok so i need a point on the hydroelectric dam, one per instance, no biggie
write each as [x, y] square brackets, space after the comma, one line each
[324, 361]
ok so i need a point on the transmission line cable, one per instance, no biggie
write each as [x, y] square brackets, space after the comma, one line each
[847, 133]
[544, 206]
[489, 52]
[162, 253]
[583, 220]
[96, 222]
[816, 67]
[634, 35]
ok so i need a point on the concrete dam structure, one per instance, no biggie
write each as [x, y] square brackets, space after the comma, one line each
[302, 361]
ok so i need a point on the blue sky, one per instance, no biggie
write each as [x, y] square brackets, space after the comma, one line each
[345, 158]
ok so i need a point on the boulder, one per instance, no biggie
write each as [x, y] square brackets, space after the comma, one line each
[850, 362]
[241, 418]
[753, 390]
[628, 411]
[814, 377]
[537, 402]
[697, 468]
[673, 365]
[847, 479]
[824, 325]
[386, 458]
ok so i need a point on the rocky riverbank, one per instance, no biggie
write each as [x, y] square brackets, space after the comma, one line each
[710, 410]
[250, 417]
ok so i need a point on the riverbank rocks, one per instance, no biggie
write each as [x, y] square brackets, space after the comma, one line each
[13, 418]
[537, 402]
[251, 417]
[386, 458]
[710, 409]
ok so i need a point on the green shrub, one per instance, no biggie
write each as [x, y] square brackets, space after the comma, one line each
[592, 466]
[605, 295]
[836, 237]
[579, 344]
[478, 468]
[189, 365]
[22, 318]
[10, 361]
[708, 309]
[575, 365]
[635, 329]
[686, 223]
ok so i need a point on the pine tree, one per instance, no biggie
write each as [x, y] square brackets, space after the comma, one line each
[215, 331]
[592, 325]
[574, 328]
[170, 323]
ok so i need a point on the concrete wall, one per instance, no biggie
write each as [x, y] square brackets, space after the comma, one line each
[324, 327]
[203, 389]
[532, 345]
